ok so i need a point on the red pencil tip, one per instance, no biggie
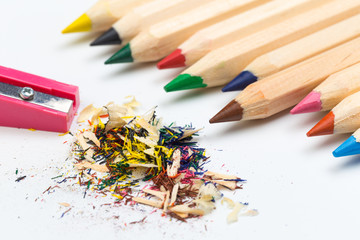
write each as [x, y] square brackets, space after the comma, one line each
[324, 127]
[174, 60]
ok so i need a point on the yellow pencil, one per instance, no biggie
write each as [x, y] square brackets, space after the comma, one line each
[102, 15]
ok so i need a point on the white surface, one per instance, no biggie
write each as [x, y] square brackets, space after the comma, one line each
[300, 190]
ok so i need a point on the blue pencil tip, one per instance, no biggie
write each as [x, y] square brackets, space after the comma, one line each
[349, 147]
[240, 82]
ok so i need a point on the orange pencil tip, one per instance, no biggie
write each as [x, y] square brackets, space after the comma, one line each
[324, 127]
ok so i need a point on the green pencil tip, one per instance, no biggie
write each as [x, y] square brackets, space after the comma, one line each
[184, 82]
[121, 56]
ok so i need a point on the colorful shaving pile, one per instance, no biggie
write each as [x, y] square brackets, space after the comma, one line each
[117, 156]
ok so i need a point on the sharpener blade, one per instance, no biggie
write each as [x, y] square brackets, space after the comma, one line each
[39, 98]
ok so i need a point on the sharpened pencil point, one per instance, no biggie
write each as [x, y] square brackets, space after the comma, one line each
[231, 112]
[121, 56]
[240, 82]
[82, 24]
[174, 60]
[348, 148]
[185, 82]
[311, 103]
[324, 127]
[110, 37]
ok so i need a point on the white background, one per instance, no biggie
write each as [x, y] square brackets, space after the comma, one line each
[299, 189]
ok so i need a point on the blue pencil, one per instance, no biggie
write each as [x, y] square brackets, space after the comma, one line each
[241, 81]
[350, 147]
[293, 53]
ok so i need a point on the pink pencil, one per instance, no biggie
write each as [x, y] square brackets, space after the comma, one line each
[330, 92]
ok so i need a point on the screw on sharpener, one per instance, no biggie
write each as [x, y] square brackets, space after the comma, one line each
[27, 93]
[30, 101]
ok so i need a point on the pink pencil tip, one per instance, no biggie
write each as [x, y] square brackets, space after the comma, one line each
[174, 60]
[311, 103]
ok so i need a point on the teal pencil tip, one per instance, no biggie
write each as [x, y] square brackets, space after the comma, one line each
[185, 82]
[122, 56]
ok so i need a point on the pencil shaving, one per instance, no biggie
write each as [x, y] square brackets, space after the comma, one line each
[250, 213]
[209, 189]
[133, 103]
[190, 133]
[156, 204]
[182, 215]
[174, 194]
[230, 203]
[81, 140]
[172, 169]
[205, 203]
[233, 216]
[96, 115]
[228, 184]
[86, 113]
[215, 176]
[96, 167]
[115, 116]
[64, 204]
[142, 165]
[186, 209]
[130, 149]
[88, 151]
[158, 194]
[166, 201]
[91, 136]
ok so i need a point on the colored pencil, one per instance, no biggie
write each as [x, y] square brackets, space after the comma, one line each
[296, 52]
[237, 27]
[142, 17]
[350, 147]
[286, 88]
[343, 118]
[102, 15]
[330, 92]
[164, 37]
[223, 64]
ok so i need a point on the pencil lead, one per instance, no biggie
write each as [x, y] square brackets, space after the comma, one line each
[110, 37]
[240, 82]
[121, 56]
[231, 112]
[82, 24]
[174, 60]
[311, 103]
[350, 147]
[324, 127]
[184, 82]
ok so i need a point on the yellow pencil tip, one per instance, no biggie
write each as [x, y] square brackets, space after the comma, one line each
[82, 24]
